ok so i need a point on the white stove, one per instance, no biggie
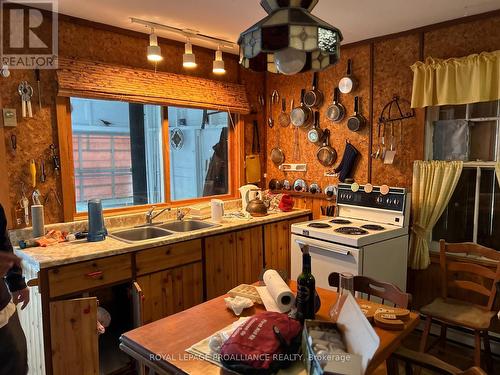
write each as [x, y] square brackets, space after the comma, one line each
[369, 237]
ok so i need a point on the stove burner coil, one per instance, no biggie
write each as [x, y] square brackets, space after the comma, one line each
[353, 231]
[319, 225]
[372, 227]
[340, 221]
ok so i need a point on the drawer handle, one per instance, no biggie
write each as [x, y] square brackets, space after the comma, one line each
[95, 275]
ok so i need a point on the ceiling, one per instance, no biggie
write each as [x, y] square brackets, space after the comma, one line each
[358, 20]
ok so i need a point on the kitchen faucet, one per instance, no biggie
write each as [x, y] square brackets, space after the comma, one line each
[181, 214]
[150, 216]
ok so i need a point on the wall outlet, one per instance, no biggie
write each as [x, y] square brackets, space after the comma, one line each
[9, 117]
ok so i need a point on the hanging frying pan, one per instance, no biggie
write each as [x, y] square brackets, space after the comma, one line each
[326, 154]
[301, 116]
[336, 111]
[284, 117]
[277, 155]
[315, 134]
[356, 121]
[348, 83]
[314, 98]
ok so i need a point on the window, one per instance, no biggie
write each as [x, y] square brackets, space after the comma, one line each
[469, 133]
[126, 155]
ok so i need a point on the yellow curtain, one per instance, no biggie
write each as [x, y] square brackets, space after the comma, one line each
[433, 185]
[497, 170]
[470, 79]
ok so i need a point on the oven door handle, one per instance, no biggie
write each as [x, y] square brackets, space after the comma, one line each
[338, 251]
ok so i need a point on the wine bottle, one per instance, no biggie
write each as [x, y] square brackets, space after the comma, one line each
[306, 289]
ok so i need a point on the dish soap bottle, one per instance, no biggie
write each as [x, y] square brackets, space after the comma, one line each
[306, 288]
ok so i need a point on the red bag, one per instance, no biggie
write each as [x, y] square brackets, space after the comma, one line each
[264, 344]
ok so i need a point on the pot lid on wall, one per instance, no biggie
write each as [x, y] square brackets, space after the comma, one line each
[290, 39]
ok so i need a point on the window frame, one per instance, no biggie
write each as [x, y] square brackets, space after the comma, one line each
[432, 114]
[65, 138]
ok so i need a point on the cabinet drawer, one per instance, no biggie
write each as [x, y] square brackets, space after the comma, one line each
[88, 275]
[169, 256]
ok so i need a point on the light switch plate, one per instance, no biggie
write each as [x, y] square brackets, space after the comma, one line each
[9, 117]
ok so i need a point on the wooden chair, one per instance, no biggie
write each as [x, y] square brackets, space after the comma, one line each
[453, 311]
[372, 288]
[426, 361]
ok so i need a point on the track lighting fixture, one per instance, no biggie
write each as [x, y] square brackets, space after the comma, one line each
[189, 58]
[219, 62]
[154, 50]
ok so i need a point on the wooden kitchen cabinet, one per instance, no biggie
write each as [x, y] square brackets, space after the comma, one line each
[277, 244]
[220, 260]
[170, 291]
[232, 259]
[74, 337]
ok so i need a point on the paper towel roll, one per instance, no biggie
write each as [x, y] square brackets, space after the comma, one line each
[38, 220]
[279, 290]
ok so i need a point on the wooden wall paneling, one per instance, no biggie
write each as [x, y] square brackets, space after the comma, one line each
[249, 260]
[74, 336]
[220, 271]
[65, 141]
[4, 182]
[392, 75]
[462, 39]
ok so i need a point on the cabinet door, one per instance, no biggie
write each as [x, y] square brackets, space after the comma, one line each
[171, 291]
[249, 253]
[74, 336]
[220, 262]
[277, 246]
[138, 304]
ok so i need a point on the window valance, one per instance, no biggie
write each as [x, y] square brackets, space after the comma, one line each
[89, 79]
[470, 79]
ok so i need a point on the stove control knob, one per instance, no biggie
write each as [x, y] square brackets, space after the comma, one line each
[379, 199]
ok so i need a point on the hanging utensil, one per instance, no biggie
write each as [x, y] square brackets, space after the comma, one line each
[270, 121]
[43, 175]
[284, 117]
[336, 111]
[314, 98]
[39, 88]
[277, 155]
[301, 116]
[391, 153]
[300, 185]
[348, 83]
[25, 92]
[376, 154]
[55, 159]
[356, 121]
[326, 154]
[32, 168]
[315, 134]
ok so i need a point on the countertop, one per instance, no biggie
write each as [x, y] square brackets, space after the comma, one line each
[82, 250]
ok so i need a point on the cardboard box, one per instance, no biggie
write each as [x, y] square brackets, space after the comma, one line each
[359, 341]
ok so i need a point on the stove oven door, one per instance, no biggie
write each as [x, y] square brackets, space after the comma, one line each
[326, 257]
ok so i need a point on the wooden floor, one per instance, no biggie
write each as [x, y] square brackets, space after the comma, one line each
[458, 355]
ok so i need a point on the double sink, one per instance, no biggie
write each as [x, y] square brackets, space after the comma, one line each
[149, 232]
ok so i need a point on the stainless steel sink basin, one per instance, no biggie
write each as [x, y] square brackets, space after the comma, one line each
[186, 225]
[140, 234]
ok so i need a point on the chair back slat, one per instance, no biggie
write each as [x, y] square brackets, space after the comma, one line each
[472, 268]
[370, 287]
[470, 285]
[483, 279]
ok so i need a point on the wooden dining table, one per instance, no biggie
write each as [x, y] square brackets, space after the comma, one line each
[161, 345]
